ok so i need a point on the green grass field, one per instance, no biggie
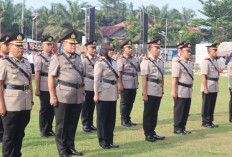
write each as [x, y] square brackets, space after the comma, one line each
[202, 141]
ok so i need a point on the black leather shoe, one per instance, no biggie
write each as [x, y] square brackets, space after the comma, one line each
[74, 152]
[158, 137]
[63, 154]
[215, 125]
[51, 133]
[86, 128]
[114, 146]
[150, 139]
[105, 146]
[187, 132]
[180, 132]
[126, 124]
[92, 127]
[131, 123]
[44, 135]
[207, 125]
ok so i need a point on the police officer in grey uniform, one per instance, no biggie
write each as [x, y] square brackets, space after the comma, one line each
[46, 113]
[16, 96]
[88, 106]
[152, 69]
[229, 67]
[67, 95]
[106, 94]
[128, 67]
[3, 52]
[182, 82]
[3, 46]
[177, 57]
[209, 86]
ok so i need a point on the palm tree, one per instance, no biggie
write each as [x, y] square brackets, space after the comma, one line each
[64, 20]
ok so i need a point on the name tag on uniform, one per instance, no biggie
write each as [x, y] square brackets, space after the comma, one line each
[67, 65]
[211, 68]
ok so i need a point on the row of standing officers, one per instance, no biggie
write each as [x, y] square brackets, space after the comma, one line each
[72, 85]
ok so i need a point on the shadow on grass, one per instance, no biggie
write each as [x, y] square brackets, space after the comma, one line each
[170, 142]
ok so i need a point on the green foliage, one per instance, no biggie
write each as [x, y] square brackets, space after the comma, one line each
[219, 19]
[192, 37]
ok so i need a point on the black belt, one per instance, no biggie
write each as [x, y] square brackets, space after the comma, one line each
[17, 87]
[89, 77]
[185, 85]
[43, 74]
[130, 74]
[113, 82]
[73, 85]
[212, 79]
[154, 80]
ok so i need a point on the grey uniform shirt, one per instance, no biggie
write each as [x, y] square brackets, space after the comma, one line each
[229, 67]
[15, 100]
[107, 91]
[43, 66]
[148, 68]
[89, 70]
[208, 69]
[182, 76]
[64, 71]
[129, 82]
[175, 58]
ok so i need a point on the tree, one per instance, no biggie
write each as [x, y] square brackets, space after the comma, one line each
[219, 19]
[64, 20]
[192, 37]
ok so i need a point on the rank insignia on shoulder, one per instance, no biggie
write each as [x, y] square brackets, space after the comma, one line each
[178, 60]
[146, 58]
[100, 60]
[206, 58]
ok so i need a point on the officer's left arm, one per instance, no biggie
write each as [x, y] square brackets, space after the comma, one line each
[2, 78]
[31, 90]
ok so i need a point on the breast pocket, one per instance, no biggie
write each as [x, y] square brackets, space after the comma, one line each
[211, 68]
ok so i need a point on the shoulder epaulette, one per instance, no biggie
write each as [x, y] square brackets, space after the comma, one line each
[4, 57]
[84, 56]
[146, 58]
[206, 58]
[59, 53]
[120, 57]
[77, 54]
[100, 60]
[39, 54]
[178, 60]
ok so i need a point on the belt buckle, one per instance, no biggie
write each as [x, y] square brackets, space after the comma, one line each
[25, 88]
[78, 86]
[160, 81]
[115, 82]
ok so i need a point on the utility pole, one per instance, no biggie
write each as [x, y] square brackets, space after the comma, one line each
[22, 25]
[166, 34]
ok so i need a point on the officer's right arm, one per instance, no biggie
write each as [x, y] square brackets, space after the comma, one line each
[204, 72]
[175, 76]
[144, 67]
[38, 69]
[230, 75]
[2, 79]
[120, 70]
[53, 72]
[97, 80]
